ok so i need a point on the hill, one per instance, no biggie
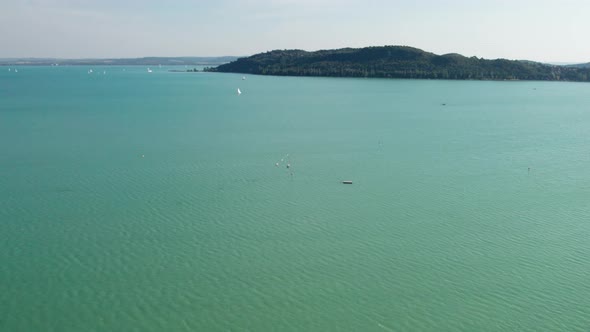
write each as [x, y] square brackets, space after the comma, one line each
[397, 62]
[580, 65]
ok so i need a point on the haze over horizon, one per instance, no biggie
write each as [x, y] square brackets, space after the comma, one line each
[542, 30]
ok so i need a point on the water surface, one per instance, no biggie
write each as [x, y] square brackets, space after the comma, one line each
[151, 202]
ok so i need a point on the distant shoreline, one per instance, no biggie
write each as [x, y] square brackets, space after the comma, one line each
[146, 61]
[103, 64]
[387, 78]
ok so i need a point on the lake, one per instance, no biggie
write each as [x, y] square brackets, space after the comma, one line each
[136, 201]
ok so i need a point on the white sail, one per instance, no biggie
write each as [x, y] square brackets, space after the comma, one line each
[239, 92]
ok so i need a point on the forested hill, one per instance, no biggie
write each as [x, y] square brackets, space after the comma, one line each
[397, 62]
[581, 65]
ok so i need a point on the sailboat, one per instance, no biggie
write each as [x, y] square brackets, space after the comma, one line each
[239, 92]
[149, 70]
[15, 70]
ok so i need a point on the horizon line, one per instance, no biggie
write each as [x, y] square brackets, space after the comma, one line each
[551, 62]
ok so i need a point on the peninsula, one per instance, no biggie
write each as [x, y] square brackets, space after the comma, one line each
[398, 62]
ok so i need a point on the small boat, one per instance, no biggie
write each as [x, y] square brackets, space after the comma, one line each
[15, 70]
[239, 92]
[149, 70]
[346, 182]
[243, 78]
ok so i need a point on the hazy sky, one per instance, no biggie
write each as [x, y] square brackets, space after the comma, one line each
[541, 30]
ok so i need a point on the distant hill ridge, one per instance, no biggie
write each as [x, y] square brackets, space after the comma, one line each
[397, 62]
[151, 61]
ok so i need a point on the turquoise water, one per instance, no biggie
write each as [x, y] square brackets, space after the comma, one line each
[151, 202]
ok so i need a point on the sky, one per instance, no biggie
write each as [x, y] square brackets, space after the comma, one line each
[538, 30]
